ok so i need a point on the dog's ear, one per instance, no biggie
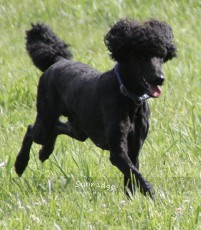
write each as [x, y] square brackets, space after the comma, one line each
[118, 39]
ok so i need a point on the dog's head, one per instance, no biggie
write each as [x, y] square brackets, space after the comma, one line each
[142, 49]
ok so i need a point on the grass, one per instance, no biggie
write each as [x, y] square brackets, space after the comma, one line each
[78, 188]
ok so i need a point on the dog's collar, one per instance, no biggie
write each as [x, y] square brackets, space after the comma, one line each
[137, 99]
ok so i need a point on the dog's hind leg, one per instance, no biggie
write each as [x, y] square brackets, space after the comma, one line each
[47, 149]
[69, 129]
[23, 156]
[37, 133]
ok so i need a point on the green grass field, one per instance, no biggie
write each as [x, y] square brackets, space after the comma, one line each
[57, 194]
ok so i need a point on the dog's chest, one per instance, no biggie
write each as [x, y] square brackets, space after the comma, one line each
[138, 121]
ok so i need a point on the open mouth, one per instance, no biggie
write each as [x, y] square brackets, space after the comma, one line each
[152, 90]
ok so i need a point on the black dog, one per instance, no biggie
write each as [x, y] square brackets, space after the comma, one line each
[110, 108]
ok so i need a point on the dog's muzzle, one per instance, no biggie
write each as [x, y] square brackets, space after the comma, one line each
[153, 88]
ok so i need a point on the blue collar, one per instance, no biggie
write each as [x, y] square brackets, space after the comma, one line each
[137, 99]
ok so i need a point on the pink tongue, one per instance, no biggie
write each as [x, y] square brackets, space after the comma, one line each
[155, 91]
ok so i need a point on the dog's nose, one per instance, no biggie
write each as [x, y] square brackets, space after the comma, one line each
[159, 79]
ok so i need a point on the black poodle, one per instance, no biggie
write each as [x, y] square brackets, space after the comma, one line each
[110, 108]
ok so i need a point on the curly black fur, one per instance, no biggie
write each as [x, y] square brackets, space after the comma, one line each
[44, 46]
[92, 101]
[152, 38]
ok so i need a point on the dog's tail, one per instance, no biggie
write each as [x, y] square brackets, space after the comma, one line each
[44, 47]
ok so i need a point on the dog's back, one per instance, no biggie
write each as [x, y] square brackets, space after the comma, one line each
[62, 77]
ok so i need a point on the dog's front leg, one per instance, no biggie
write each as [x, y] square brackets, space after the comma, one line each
[123, 163]
[119, 157]
[129, 182]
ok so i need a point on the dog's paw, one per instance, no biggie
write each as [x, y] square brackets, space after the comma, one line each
[147, 189]
[20, 165]
[44, 153]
